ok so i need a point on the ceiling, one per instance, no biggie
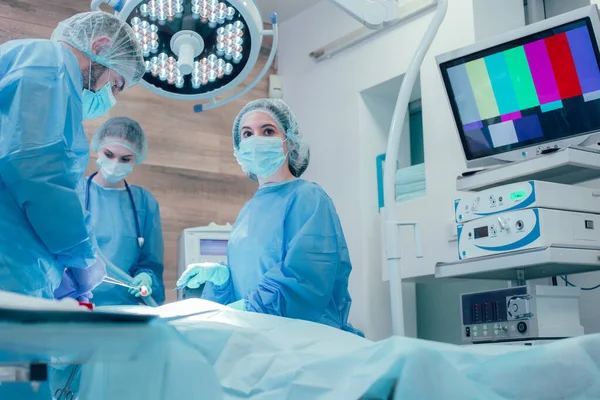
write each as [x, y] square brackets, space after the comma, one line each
[285, 9]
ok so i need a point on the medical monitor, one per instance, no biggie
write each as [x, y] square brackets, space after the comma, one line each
[199, 245]
[527, 91]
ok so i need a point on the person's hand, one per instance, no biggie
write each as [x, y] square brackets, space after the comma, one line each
[198, 274]
[78, 283]
[68, 288]
[141, 279]
[239, 305]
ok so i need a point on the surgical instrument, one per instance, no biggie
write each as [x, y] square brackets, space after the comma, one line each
[114, 270]
[143, 289]
[66, 390]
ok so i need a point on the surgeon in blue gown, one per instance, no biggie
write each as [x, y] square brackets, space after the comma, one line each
[126, 218]
[287, 254]
[47, 89]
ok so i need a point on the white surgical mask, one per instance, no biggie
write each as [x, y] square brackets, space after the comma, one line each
[112, 171]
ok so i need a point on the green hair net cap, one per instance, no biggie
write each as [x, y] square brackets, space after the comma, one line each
[124, 132]
[281, 113]
[123, 55]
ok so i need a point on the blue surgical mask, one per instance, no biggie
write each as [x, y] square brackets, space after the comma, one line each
[112, 171]
[260, 155]
[96, 104]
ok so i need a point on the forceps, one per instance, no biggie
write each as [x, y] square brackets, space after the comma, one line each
[143, 289]
[66, 390]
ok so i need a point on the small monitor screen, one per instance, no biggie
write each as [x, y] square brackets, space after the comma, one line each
[536, 89]
[481, 232]
[213, 247]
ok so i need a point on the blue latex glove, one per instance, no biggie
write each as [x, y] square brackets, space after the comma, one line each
[198, 274]
[238, 305]
[78, 283]
[141, 279]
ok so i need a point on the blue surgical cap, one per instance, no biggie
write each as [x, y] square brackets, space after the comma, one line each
[124, 132]
[123, 55]
[280, 112]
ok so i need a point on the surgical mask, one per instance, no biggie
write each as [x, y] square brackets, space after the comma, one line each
[260, 155]
[112, 171]
[96, 104]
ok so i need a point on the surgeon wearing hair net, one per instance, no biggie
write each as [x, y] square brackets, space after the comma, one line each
[287, 254]
[47, 89]
[125, 218]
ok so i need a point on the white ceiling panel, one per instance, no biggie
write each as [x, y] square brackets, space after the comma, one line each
[285, 9]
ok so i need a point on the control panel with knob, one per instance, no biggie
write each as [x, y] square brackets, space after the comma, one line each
[493, 201]
[519, 313]
[522, 195]
[504, 222]
[496, 234]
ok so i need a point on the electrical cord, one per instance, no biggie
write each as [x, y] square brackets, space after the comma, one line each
[567, 283]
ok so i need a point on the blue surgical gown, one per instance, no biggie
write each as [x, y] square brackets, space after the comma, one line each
[43, 156]
[287, 256]
[114, 226]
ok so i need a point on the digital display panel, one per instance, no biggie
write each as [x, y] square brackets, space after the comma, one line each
[481, 232]
[213, 247]
[536, 89]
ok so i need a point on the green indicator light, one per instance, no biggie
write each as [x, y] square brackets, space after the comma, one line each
[515, 196]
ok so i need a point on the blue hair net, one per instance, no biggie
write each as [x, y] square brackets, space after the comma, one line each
[124, 132]
[281, 113]
[124, 55]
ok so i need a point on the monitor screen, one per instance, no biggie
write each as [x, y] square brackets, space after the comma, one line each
[213, 247]
[536, 89]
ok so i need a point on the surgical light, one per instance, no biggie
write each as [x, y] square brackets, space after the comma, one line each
[197, 49]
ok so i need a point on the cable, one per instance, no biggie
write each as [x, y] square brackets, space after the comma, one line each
[567, 283]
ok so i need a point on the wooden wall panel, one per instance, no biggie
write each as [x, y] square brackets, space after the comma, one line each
[190, 169]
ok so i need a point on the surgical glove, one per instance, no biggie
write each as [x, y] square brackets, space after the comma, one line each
[141, 279]
[238, 305]
[68, 288]
[198, 274]
[78, 283]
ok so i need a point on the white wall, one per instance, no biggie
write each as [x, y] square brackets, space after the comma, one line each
[326, 98]
[493, 17]
[557, 7]
[346, 136]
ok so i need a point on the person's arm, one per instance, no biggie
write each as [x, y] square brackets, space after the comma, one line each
[38, 162]
[222, 294]
[151, 259]
[302, 284]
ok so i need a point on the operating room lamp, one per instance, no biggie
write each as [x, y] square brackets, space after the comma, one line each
[197, 49]
[202, 49]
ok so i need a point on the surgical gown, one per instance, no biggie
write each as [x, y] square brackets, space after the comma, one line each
[287, 256]
[43, 155]
[114, 226]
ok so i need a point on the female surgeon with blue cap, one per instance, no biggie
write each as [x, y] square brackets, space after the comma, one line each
[287, 254]
[125, 218]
